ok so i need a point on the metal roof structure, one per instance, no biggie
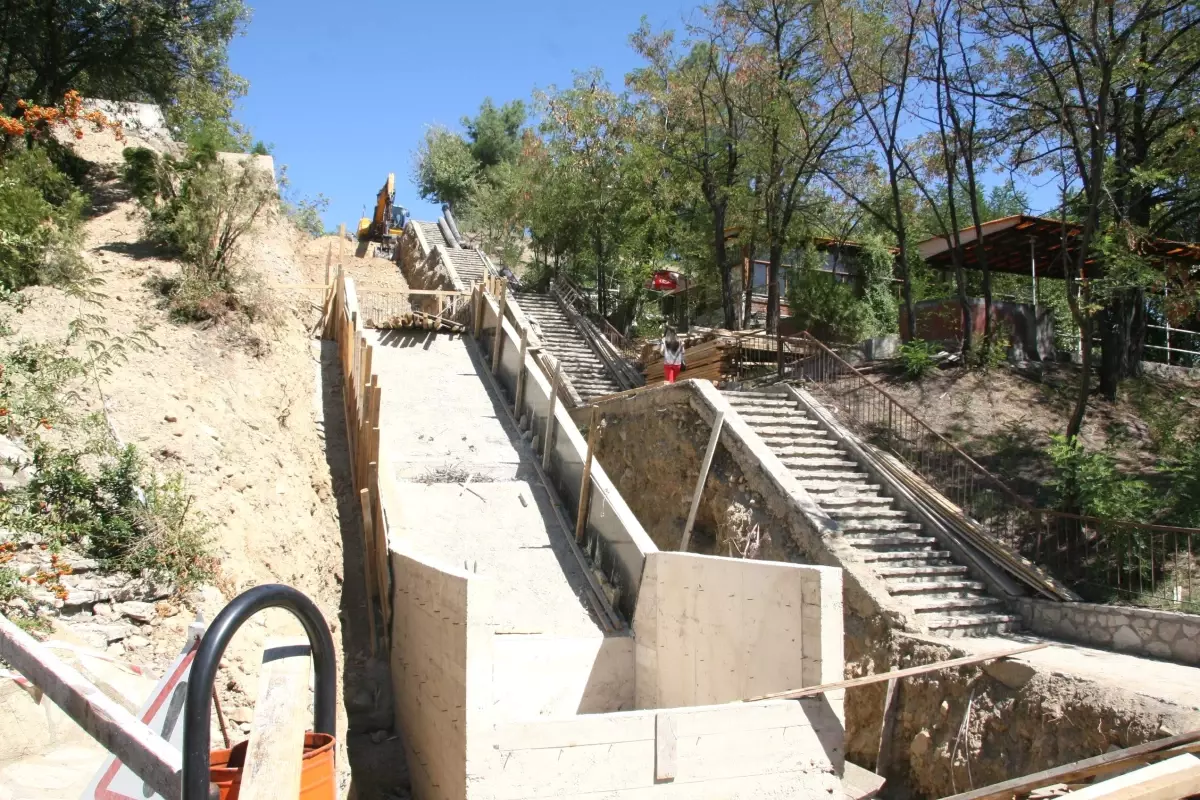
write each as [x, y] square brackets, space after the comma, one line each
[1025, 245]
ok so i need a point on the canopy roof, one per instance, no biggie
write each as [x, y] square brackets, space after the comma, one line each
[1007, 245]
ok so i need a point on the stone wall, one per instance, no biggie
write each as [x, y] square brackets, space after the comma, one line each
[1142, 631]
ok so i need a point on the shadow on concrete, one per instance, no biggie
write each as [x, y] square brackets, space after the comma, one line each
[373, 743]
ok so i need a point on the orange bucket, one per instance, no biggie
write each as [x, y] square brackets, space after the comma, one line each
[316, 773]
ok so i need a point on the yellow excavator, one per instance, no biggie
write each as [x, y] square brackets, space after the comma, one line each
[387, 223]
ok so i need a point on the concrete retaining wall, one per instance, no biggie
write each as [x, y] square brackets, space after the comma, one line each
[1160, 634]
[429, 673]
[717, 630]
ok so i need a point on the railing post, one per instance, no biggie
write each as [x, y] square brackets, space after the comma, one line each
[549, 443]
[779, 355]
[498, 342]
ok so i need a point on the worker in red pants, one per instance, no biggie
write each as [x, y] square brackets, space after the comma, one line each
[672, 351]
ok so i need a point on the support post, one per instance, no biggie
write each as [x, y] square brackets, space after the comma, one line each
[779, 353]
[498, 342]
[713, 439]
[341, 244]
[549, 441]
[328, 264]
[585, 486]
[521, 374]
[1033, 280]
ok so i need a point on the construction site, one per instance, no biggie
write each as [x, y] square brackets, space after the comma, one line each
[579, 585]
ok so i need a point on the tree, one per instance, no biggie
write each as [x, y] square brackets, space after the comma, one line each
[443, 167]
[1103, 93]
[495, 133]
[874, 51]
[173, 54]
[796, 122]
[695, 123]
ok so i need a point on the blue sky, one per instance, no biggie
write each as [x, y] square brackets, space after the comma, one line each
[344, 90]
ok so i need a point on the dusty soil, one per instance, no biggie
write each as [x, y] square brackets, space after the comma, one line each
[1005, 418]
[238, 409]
[367, 271]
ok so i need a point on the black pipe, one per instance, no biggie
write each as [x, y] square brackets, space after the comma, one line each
[197, 713]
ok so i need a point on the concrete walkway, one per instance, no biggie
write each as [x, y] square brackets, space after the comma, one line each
[468, 492]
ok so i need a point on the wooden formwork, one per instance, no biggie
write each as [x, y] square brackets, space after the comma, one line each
[373, 486]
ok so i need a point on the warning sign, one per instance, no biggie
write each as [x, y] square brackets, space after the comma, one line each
[163, 714]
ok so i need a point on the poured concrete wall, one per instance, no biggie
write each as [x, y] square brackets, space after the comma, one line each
[754, 750]
[546, 676]
[429, 673]
[717, 630]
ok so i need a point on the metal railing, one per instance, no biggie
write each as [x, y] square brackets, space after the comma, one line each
[757, 355]
[575, 296]
[395, 308]
[1100, 559]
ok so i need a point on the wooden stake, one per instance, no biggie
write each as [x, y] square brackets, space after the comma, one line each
[521, 373]
[341, 244]
[498, 342]
[702, 478]
[364, 500]
[585, 485]
[883, 753]
[549, 443]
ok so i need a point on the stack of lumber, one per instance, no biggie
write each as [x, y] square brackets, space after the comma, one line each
[711, 359]
[416, 319]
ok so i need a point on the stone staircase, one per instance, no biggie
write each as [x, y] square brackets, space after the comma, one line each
[433, 234]
[940, 591]
[588, 373]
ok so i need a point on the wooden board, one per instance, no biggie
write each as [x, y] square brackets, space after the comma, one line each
[1172, 779]
[276, 749]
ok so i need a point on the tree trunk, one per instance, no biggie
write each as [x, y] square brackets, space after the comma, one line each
[1075, 424]
[724, 268]
[773, 288]
[1122, 339]
[748, 298]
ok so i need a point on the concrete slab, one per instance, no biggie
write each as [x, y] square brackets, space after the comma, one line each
[486, 530]
[439, 411]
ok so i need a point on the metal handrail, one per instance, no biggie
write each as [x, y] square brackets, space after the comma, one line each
[198, 711]
[614, 336]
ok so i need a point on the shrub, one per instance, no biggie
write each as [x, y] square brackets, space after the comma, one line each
[104, 511]
[201, 210]
[1092, 483]
[828, 309]
[916, 357]
[40, 223]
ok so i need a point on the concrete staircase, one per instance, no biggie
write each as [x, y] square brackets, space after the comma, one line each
[588, 373]
[940, 591]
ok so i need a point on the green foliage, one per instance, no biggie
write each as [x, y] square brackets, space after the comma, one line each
[495, 133]
[201, 210]
[827, 309]
[916, 358]
[443, 167]
[304, 212]
[40, 223]
[1093, 483]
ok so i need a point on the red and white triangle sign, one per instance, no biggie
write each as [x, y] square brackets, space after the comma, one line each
[163, 714]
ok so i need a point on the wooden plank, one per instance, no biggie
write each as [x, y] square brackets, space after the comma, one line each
[146, 753]
[548, 442]
[585, 486]
[276, 748]
[665, 756]
[702, 478]
[883, 753]
[867, 680]
[1085, 768]
[1172, 779]
[328, 262]
[364, 502]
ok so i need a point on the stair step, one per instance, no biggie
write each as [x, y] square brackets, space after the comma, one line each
[767, 426]
[785, 445]
[959, 625]
[857, 512]
[908, 558]
[818, 474]
[832, 502]
[889, 525]
[819, 462]
[950, 572]
[940, 587]
[822, 489]
[758, 410]
[933, 605]
[900, 540]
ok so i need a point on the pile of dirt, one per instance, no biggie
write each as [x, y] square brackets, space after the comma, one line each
[368, 271]
[238, 409]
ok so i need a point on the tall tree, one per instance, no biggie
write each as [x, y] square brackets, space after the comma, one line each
[795, 120]
[874, 50]
[695, 123]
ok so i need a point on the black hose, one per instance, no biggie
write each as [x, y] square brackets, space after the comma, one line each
[198, 711]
